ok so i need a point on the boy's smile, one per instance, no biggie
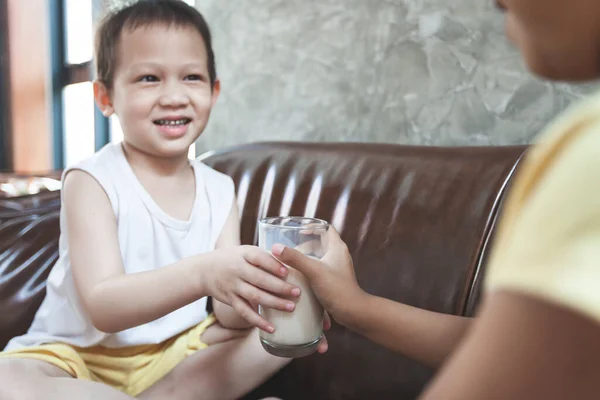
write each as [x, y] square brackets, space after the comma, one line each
[173, 126]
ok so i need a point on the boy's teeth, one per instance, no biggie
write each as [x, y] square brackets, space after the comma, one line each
[172, 122]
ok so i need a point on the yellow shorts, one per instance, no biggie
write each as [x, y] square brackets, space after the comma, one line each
[130, 370]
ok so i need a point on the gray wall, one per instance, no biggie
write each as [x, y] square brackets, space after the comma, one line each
[434, 72]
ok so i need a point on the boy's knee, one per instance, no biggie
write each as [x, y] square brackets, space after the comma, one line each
[22, 379]
[16, 380]
[14, 370]
[30, 368]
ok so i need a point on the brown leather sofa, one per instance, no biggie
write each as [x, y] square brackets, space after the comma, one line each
[418, 221]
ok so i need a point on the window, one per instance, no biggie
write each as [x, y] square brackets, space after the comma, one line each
[79, 127]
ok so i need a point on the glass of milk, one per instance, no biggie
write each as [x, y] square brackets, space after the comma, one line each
[297, 333]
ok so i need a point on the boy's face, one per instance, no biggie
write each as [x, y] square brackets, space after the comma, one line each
[161, 89]
[559, 39]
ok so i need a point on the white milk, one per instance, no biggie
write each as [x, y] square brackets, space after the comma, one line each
[302, 326]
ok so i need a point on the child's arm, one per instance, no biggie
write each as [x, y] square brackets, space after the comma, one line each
[229, 238]
[116, 301]
[521, 348]
[537, 335]
[425, 336]
[422, 335]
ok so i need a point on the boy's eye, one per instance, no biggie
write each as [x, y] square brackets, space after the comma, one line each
[148, 78]
[193, 77]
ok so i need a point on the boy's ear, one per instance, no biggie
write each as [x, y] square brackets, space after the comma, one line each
[102, 97]
[216, 91]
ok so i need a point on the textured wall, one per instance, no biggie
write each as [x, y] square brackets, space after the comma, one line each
[405, 71]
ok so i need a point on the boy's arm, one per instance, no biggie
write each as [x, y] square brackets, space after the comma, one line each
[229, 237]
[520, 348]
[116, 301]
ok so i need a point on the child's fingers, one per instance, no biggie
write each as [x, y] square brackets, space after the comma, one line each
[255, 295]
[326, 322]
[308, 266]
[323, 345]
[246, 312]
[311, 246]
[333, 234]
[313, 229]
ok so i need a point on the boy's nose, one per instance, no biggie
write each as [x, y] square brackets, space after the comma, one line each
[173, 96]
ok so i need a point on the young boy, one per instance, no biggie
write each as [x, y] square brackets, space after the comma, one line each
[146, 236]
[537, 335]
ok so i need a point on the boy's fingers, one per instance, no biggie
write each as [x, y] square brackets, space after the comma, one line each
[261, 279]
[256, 296]
[308, 266]
[265, 261]
[246, 312]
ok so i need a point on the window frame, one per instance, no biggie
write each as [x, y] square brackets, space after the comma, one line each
[6, 163]
[65, 74]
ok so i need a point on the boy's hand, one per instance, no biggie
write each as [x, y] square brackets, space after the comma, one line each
[245, 276]
[332, 278]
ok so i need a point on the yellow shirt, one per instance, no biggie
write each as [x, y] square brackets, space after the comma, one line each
[548, 243]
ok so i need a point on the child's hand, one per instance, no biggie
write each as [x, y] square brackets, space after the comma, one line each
[332, 278]
[246, 276]
[323, 345]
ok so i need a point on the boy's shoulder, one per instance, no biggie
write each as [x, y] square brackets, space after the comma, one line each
[205, 169]
[96, 162]
[211, 176]
[106, 169]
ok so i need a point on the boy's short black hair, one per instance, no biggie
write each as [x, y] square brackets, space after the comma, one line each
[143, 13]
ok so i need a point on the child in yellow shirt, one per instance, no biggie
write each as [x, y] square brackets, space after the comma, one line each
[537, 335]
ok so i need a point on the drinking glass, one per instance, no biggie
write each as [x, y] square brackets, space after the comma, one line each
[297, 333]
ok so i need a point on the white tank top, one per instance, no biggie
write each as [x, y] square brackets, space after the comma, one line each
[149, 239]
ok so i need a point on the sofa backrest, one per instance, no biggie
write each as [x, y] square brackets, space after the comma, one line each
[29, 232]
[416, 219]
